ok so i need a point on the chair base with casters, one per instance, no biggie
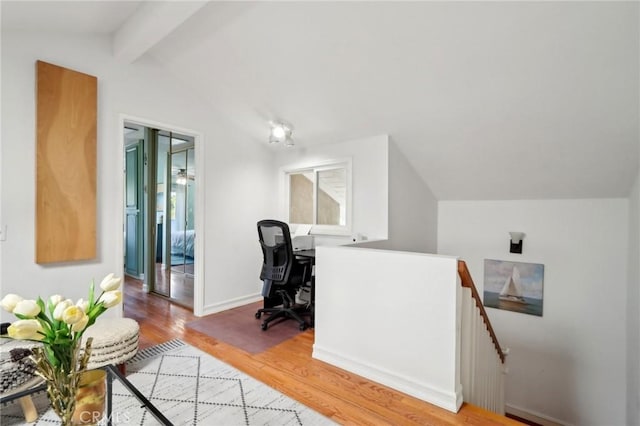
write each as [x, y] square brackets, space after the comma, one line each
[288, 310]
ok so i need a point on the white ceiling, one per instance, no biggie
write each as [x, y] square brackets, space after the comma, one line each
[78, 17]
[487, 100]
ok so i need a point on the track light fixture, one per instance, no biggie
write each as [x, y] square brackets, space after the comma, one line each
[281, 132]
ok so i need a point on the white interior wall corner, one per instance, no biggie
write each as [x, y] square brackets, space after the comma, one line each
[413, 209]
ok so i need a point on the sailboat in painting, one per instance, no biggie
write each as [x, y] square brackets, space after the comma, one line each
[511, 293]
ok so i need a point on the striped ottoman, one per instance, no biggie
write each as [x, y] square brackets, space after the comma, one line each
[114, 342]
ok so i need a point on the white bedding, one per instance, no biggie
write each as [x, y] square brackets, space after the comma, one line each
[179, 245]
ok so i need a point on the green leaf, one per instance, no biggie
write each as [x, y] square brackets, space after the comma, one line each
[51, 355]
[63, 341]
[96, 311]
[95, 314]
[43, 318]
[40, 303]
[46, 327]
[62, 332]
[91, 293]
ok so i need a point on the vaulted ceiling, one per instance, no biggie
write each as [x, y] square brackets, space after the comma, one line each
[487, 100]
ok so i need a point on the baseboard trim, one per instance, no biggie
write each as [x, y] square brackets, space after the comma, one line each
[533, 416]
[232, 303]
[451, 401]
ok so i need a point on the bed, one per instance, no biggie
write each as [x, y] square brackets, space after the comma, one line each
[183, 242]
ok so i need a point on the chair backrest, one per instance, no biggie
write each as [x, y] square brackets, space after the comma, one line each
[277, 251]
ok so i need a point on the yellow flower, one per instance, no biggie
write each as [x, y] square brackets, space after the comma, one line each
[72, 314]
[80, 325]
[28, 308]
[25, 329]
[60, 308]
[10, 301]
[110, 298]
[110, 283]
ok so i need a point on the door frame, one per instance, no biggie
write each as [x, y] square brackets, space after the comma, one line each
[199, 249]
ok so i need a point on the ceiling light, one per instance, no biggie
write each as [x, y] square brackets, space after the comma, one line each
[280, 132]
[181, 177]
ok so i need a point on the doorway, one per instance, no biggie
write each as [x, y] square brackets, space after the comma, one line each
[160, 191]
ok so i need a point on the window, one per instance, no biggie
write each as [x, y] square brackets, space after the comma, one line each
[320, 196]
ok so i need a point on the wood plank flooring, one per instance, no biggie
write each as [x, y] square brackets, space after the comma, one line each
[288, 367]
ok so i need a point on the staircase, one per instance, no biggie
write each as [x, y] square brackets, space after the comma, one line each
[482, 359]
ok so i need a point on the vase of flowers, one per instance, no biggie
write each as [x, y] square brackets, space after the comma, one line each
[59, 325]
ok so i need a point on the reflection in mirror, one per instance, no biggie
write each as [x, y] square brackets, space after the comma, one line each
[301, 197]
[182, 210]
[332, 198]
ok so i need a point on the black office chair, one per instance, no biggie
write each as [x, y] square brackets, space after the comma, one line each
[282, 273]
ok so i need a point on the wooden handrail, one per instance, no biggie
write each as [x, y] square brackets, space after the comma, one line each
[467, 281]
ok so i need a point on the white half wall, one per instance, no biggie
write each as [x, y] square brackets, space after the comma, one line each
[236, 171]
[569, 365]
[633, 308]
[392, 317]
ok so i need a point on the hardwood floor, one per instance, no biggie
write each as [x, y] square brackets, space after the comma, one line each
[288, 367]
[175, 283]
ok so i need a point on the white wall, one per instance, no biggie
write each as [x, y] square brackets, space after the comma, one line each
[413, 209]
[397, 214]
[370, 181]
[392, 317]
[569, 364]
[633, 308]
[237, 173]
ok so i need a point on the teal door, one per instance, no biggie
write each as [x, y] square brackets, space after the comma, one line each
[134, 243]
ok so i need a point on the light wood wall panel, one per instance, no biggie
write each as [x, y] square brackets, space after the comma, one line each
[66, 132]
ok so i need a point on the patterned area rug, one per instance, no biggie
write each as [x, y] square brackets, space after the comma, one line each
[189, 387]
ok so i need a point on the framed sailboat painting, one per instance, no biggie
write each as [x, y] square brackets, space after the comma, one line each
[513, 286]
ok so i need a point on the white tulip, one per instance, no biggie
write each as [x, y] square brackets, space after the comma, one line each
[10, 301]
[80, 325]
[110, 283]
[27, 308]
[72, 314]
[83, 304]
[55, 299]
[25, 329]
[110, 298]
[60, 308]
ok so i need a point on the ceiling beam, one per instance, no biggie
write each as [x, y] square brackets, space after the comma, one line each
[153, 21]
